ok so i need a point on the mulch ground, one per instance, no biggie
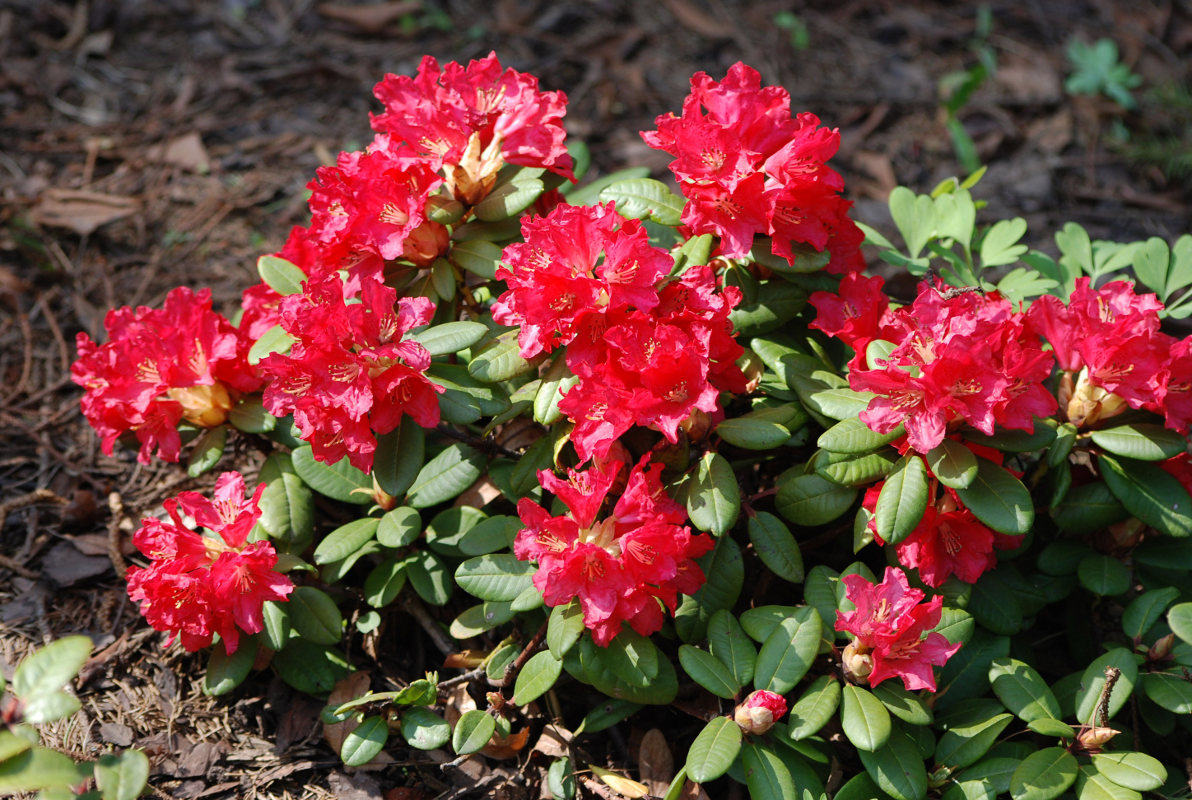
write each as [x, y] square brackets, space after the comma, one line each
[146, 144]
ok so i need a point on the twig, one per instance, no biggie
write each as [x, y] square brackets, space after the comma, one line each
[1111, 677]
[458, 679]
[524, 656]
[116, 507]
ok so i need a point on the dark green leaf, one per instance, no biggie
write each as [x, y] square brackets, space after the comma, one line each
[1179, 618]
[398, 457]
[788, 651]
[537, 676]
[728, 642]
[841, 404]
[339, 481]
[902, 501]
[399, 527]
[449, 337]
[277, 625]
[753, 434]
[999, 499]
[1043, 775]
[362, 744]
[954, 464]
[725, 576]
[226, 672]
[606, 715]
[315, 616]
[424, 729]
[814, 708]
[1088, 508]
[1146, 609]
[564, 627]
[811, 500]
[1092, 785]
[897, 768]
[508, 199]
[498, 359]
[1046, 726]
[250, 416]
[560, 780]
[1141, 441]
[855, 471]
[346, 540]
[1136, 771]
[776, 547]
[1093, 680]
[207, 451]
[478, 256]
[851, 435]
[969, 737]
[122, 777]
[472, 732]
[706, 670]
[1150, 493]
[645, 198]
[631, 657]
[713, 497]
[1168, 690]
[905, 705]
[765, 773]
[1022, 690]
[497, 576]
[287, 505]
[865, 721]
[446, 475]
[1103, 575]
[714, 750]
[310, 668]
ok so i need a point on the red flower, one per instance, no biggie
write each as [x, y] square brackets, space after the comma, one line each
[196, 585]
[473, 120]
[349, 376]
[623, 567]
[890, 626]
[759, 712]
[159, 367]
[747, 167]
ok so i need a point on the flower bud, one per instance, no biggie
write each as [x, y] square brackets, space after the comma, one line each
[856, 662]
[426, 243]
[1094, 737]
[1090, 404]
[1161, 649]
[759, 712]
[204, 405]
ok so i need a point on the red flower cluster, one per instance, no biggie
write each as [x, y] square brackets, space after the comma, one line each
[199, 585]
[889, 624]
[748, 167]
[623, 567]
[1108, 343]
[472, 120]
[349, 375]
[957, 356]
[647, 349]
[159, 367]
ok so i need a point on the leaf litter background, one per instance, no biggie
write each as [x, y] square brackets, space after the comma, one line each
[150, 143]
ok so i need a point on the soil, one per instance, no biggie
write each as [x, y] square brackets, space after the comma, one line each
[146, 144]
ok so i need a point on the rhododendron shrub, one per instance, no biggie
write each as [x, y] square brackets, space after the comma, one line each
[611, 444]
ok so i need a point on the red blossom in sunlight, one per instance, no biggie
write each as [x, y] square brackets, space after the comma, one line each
[160, 367]
[890, 628]
[350, 376]
[623, 567]
[198, 585]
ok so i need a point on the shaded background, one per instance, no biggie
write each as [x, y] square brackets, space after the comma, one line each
[150, 143]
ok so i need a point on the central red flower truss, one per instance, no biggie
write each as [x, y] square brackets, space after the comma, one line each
[349, 375]
[200, 585]
[624, 567]
[748, 167]
[648, 349]
[159, 367]
[889, 625]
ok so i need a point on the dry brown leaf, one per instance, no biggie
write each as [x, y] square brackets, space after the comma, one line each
[81, 211]
[1052, 134]
[457, 701]
[656, 764]
[619, 783]
[506, 746]
[479, 494]
[554, 741]
[347, 689]
[186, 151]
[468, 659]
[369, 19]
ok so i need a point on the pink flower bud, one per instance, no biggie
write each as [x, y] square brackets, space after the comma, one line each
[759, 712]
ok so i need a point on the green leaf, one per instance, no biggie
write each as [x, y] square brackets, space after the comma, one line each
[537, 676]
[631, 657]
[1168, 690]
[1093, 680]
[915, 217]
[814, 708]
[424, 729]
[606, 715]
[472, 732]
[995, 605]
[645, 198]
[902, 501]
[446, 475]
[399, 527]
[897, 767]
[429, 576]
[560, 780]
[860, 787]
[778, 302]
[226, 672]
[1103, 575]
[339, 481]
[706, 670]
[556, 382]
[956, 625]
[1088, 508]
[122, 777]
[851, 435]
[1022, 690]
[725, 576]
[38, 768]
[1016, 441]
[1046, 726]
[282, 276]
[207, 451]
[1136, 771]
[274, 340]
[449, 337]
[498, 359]
[765, 773]
[346, 540]
[953, 464]
[776, 547]
[315, 616]
[277, 625]
[1141, 441]
[969, 738]
[479, 257]
[496, 576]
[1043, 775]
[450, 525]
[398, 457]
[854, 470]
[508, 199]
[865, 721]
[480, 618]
[713, 497]
[811, 500]
[1092, 785]
[47, 670]
[564, 627]
[840, 404]
[385, 582]
[490, 535]
[999, 499]
[731, 646]
[250, 416]
[753, 434]
[1150, 493]
[905, 705]
[788, 651]
[364, 742]
[287, 505]
[1146, 609]
[310, 668]
[714, 750]
[1000, 244]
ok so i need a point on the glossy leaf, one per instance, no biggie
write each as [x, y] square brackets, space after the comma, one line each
[897, 767]
[1043, 775]
[1136, 771]
[536, 678]
[449, 337]
[731, 646]
[364, 742]
[446, 475]
[999, 499]
[1093, 680]
[498, 359]
[225, 672]
[123, 776]
[645, 198]
[906, 705]
[814, 708]
[811, 500]
[283, 277]
[788, 651]
[1140, 441]
[1022, 690]
[339, 481]
[776, 547]
[1179, 618]
[346, 540]
[497, 576]
[765, 773]
[398, 457]
[865, 721]
[424, 729]
[953, 464]
[208, 449]
[315, 616]
[902, 501]
[1103, 575]
[753, 434]
[1149, 493]
[564, 627]
[706, 670]
[713, 497]
[1168, 690]
[472, 732]
[853, 436]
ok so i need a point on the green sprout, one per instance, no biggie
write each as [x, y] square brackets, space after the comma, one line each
[1098, 71]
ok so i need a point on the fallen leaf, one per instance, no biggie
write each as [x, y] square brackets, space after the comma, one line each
[81, 211]
[347, 689]
[369, 19]
[468, 659]
[506, 746]
[186, 151]
[554, 741]
[619, 783]
[655, 763]
[66, 566]
[1053, 133]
